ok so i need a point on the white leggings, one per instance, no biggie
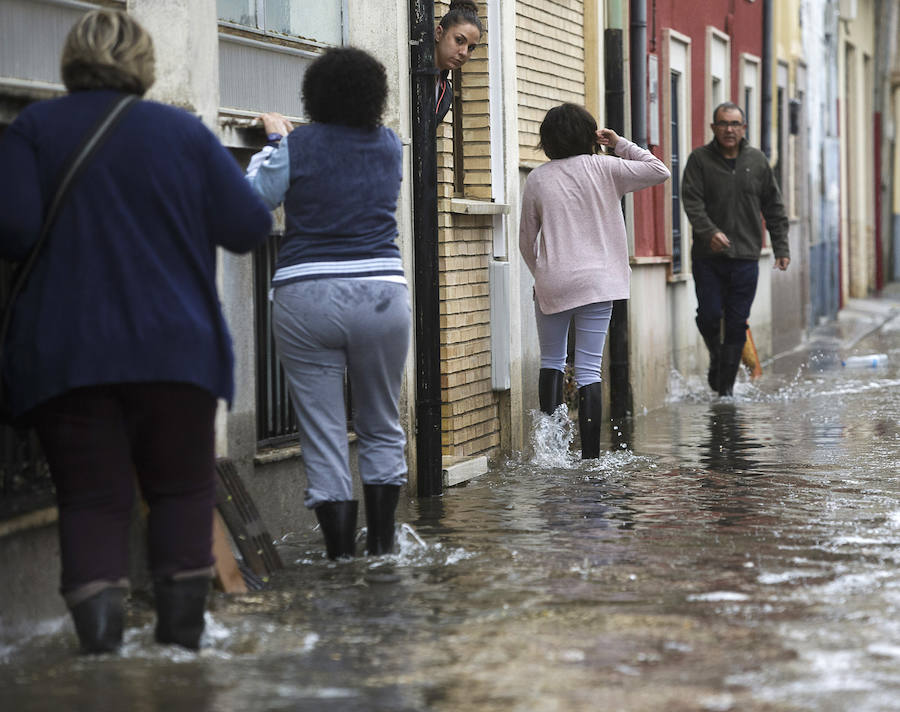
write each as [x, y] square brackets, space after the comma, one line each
[591, 325]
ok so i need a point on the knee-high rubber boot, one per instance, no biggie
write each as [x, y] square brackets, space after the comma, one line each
[98, 620]
[338, 522]
[381, 502]
[590, 412]
[550, 389]
[729, 363]
[180, 606]
[714, 347]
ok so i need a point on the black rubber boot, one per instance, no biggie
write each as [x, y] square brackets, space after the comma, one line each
[590, 414]
[550, 389]
[714, 347]
[381, 502]
[98, 621]
[338, 522]
[729, 363]
[180, 605]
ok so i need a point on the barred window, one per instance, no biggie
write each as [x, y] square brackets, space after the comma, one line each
[276, 423]
[275, 420]
[24, 476]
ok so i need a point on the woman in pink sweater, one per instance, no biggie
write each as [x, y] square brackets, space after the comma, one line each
[572, 237]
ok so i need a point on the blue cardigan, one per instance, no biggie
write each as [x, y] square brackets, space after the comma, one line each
[124, 289]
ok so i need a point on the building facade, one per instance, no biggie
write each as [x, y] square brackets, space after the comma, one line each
[819, 81]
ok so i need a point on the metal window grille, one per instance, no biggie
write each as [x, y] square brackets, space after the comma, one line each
[25, 482]
[275, 421]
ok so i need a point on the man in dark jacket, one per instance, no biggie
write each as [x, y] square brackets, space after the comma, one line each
[727, 188]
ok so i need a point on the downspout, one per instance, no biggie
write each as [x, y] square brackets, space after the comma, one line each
[620, 394]
[765, 140]
[425, 250]
[887, 44]
[614, 68]
[895, 182]
[638, 59]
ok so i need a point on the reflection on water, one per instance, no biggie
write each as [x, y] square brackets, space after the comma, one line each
[735, 554]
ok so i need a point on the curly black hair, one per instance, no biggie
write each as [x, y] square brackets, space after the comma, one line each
[346, 86]
[568, 130]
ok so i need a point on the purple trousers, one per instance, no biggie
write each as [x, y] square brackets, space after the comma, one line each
[102, 441]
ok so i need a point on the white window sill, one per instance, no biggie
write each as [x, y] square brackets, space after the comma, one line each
[464, 206]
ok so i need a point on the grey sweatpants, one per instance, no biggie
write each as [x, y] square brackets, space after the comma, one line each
[324, 328]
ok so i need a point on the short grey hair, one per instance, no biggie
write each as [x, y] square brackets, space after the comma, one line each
[108, 49]
[728, 106]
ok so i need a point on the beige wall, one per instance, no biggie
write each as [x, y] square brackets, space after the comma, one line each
[470, 409]
[550, 59]
[856, 68]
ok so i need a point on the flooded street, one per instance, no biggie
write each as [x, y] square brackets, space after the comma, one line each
[737, 554]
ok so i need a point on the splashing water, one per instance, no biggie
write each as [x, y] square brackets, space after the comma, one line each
[406, 531]
[411, 550]
[551, 438]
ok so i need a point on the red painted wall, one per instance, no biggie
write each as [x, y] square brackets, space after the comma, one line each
[742, 20]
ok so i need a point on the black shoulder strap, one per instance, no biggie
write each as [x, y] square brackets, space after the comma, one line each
[79, 158]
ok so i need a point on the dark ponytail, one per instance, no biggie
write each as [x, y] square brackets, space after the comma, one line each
[462, 12]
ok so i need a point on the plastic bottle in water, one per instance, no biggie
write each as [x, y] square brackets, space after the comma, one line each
[867, 361]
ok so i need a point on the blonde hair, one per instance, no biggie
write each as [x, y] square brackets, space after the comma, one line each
[108, 49]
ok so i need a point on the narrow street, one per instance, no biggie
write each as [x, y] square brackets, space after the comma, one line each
[739, 555]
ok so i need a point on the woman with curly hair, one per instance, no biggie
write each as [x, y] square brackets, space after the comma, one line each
[455, 38]
[341, 302]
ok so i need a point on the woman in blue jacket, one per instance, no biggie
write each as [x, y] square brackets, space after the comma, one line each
[118, 349]
[341, 303]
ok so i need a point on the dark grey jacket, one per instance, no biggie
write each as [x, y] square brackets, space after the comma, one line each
[718, 198]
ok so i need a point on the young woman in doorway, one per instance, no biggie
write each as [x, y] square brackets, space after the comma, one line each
[455, 39]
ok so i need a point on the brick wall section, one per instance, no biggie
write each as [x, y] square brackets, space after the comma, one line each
[470, 417]
[550, 59]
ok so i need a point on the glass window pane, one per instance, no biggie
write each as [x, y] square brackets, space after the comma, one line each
[242, 12]
[318, 20]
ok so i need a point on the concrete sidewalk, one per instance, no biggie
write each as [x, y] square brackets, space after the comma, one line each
[858, 320]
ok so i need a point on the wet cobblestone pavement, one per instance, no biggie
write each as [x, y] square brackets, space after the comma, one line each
[737, 554]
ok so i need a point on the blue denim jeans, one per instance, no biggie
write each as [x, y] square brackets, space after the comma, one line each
[725, 288]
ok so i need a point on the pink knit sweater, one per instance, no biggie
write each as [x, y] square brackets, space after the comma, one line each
[572, 233]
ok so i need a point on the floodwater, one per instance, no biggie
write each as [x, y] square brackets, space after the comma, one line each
[737, 554]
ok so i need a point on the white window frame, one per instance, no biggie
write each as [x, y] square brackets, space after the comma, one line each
[677, 59]
[783, 82]
[718, 68]
[798, 142]
[750, 82]
[497, 132]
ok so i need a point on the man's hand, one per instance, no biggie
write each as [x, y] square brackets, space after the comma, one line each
[719, 242]
[275, 123]
[782, 263]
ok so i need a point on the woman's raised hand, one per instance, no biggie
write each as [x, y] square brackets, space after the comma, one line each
[607, 137]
